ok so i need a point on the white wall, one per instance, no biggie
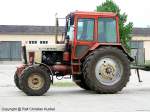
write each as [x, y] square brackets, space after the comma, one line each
[26, 38]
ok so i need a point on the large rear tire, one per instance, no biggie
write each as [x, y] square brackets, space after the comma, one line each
[106, 70]
[79, 80]
[35, 81]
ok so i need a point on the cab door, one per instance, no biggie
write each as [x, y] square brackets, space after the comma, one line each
[84, 36]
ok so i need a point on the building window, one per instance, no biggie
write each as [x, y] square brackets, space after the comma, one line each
[32, 42]
[136, 44]
[43, 42]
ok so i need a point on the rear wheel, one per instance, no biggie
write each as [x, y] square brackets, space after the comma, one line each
[79, 80]
[34, 81]
[106, 70]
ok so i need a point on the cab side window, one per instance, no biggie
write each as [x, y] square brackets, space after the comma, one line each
[107, 30]
[85, 29]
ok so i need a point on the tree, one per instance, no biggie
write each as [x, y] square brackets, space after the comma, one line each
[124, 27]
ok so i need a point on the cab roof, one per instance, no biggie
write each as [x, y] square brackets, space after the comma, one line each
[95, 13]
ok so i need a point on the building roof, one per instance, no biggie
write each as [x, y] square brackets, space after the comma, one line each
[51, 30]
[30, 30]
[141, 32]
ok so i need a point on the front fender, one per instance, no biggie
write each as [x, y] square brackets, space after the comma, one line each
[20, 69]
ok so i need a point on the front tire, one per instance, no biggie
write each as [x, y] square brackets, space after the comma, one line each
[106, 70]
[16, 81]
[35, 81]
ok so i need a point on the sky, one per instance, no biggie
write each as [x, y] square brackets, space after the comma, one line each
[42, 12]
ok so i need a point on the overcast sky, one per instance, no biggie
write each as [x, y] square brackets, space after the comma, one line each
[42, 12]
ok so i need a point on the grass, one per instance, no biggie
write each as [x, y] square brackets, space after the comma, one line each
[64, 84]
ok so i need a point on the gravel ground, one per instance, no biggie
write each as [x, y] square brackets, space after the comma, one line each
[133, 98]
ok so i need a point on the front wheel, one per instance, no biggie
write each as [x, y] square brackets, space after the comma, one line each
[107, 70]
[35, 81]
[16, 81]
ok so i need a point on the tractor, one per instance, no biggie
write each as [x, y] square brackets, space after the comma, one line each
[91, 52]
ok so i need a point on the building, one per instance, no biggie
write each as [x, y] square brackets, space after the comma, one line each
[141, 40]
[12, 37]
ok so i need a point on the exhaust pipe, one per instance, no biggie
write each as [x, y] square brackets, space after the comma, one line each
[56, 30]
[24, 54]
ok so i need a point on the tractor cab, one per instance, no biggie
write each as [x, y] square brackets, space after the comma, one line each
[87, 30]
[88, 21]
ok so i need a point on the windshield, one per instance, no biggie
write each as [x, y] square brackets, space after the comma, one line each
[70, 28]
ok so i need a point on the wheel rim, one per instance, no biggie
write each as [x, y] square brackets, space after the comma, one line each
[35, 81]
[108, 70]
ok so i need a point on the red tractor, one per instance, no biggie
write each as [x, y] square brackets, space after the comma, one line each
[91, 52]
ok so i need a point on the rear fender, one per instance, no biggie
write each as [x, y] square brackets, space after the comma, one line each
[128, 55]
[118, 45]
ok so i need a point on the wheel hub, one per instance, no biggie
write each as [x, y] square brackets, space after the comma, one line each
[108, 71]
[35, 82]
